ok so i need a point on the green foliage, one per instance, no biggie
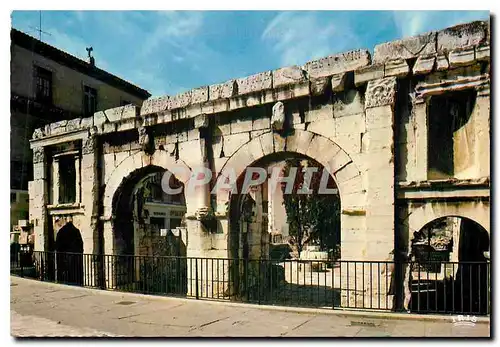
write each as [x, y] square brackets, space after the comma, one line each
[312, 218]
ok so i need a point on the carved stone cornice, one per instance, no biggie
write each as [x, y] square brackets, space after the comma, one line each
[480, 83]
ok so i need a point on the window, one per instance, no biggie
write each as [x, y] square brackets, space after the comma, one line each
[89, 100]
[43, 85]
[67, 179]
[451, 134]
[156, 224]
[175, 223]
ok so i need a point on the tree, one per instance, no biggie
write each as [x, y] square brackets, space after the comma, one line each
[312, 218]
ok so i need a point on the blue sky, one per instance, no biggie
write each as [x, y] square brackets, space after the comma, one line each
[169, 52]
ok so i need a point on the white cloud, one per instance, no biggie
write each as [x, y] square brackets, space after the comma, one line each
[172, 28]
[410, 23]
[302, 36]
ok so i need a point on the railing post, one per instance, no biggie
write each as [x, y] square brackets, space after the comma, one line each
[259, 279]
[22, 268]
[55, 267]
[196, 277]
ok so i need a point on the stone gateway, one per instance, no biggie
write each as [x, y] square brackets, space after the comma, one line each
[405, 135]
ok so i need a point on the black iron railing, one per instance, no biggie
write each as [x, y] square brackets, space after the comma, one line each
[431, 287]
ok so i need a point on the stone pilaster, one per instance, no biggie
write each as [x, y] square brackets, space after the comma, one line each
[88, 179]
[421, 141]
[376, 240]
[482, 124]
[55, 181]
[87, 194]
[77, 180]
[38, 194]
[380, 100]
[198, 205]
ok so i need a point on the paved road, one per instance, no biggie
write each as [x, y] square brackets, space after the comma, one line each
[44, 309]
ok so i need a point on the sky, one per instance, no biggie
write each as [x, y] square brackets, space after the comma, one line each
[169, 52]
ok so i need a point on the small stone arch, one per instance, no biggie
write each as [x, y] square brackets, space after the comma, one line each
[69, 255]
[420, 216]
[69, 239]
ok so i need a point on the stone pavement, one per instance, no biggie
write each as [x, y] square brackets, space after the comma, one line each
[45, 309]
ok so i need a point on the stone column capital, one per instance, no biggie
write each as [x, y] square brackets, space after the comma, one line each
[380, 92]
[90, 143]
[38, 155]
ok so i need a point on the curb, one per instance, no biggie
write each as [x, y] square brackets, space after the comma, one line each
[340, 312]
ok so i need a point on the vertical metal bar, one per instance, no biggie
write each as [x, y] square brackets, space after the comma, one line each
[317, 285]
[378, 283]
[444, 288]
[86, 267]
[22, 268]
[258, 280]
[371, 284]
[229, 277]
[196, 278]
[304, 280]
[470, 286]
[218, 278]
[212, 273]
[488, 288]
[418, 301]
[223, 279]
[453, 289]
[144, 273]
[428, 286]
[479, 288]
[85, 273]
[363, 274]
[348, 284]
[386, 284]
[436, 308]
[333, 284]
[461, 287]
[355, 284]
[325, 302]
[109, 274]
[340, 281]
[290, 286]
[311, 280]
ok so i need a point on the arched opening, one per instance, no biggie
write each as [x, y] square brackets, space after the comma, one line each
[149, 233]
[69, 248]
[274, 227]
[451, 271]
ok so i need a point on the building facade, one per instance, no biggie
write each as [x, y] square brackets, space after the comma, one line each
[49, 85]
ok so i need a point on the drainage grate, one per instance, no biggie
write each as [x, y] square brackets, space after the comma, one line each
[125, 302]
[366, 324]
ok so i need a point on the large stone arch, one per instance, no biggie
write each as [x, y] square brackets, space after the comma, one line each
[339, 164]
[138, 161]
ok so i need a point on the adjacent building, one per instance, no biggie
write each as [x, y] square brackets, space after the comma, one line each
[49, 85]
